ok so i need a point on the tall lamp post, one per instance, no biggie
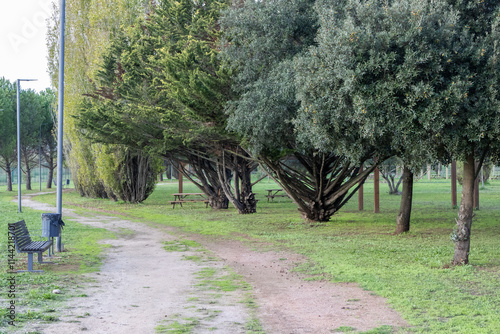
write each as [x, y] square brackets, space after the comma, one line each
[60, 118]
[19, 140]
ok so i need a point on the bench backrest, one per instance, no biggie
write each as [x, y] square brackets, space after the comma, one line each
[20, 233]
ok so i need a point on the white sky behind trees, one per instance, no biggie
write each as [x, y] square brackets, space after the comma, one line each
[23, 53]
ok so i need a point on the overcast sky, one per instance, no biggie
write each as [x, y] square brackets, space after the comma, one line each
[23, 53]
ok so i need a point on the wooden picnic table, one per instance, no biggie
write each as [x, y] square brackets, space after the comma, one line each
[180, 198]
[272, 193]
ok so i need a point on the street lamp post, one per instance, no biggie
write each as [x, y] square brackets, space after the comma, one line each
[19, 140]
[60, 117]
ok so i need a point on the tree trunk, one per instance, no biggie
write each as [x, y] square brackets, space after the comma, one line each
[376, 191]
[360, 192]
[453, 184]
[476, 189]
[28, 178]
[207, 178]
[320, 184]
[462, 234]
[403, 219]
[247, 196]
[50, 178]
[8, 171]
[243, 199]
[218, 201]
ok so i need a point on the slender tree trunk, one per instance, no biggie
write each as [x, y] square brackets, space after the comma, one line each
[476, 189]
[360, 192]
[28, 178]
[465, 214]
[403, 219]
[376, 191]
[8, 171]
[50, 178]
[453, 184]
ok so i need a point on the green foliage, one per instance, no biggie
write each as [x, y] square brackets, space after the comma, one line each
[7, 125]
[89, 23]
[415, 78]
[261, 39]
[380, 68]
[161, 86]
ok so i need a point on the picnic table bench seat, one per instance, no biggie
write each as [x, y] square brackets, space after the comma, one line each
[24, 244]
[181, 198]
[272, 193]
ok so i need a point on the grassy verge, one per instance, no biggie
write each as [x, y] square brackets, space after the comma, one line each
[411, 270]
[33, 299]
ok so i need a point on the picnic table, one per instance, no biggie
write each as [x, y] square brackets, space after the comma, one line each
[272, 193]
[180, 198]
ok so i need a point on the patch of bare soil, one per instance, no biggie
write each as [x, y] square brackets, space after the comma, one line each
[289, 304]
[141, 286]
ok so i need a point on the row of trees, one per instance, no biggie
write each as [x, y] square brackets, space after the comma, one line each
[310, 90]
[37, 131]
[98, 170]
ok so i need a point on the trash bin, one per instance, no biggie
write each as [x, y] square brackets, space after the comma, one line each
[51, 225]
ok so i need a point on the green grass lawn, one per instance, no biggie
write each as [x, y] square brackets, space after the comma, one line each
[411, 270]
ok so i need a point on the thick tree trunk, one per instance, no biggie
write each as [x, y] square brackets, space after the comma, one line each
[218, 201]
[465, 214]
[403, 219]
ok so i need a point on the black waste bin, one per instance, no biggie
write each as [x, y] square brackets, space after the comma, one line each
[51, 225]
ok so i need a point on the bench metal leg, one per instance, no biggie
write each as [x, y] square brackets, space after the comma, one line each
[30, 265]
[40, 258]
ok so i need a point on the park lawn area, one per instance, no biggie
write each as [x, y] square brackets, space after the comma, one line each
[34, 300]
[412, 270]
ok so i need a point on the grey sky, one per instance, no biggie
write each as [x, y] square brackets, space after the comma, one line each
[23, 53]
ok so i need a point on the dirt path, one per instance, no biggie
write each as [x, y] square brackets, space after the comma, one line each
[140, 284]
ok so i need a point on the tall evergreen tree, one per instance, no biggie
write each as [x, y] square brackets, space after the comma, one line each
[162, 76]
[263, 37]
[90, 25]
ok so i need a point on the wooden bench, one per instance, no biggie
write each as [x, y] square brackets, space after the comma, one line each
[272, 193]
[181, 198]
[24, 244]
